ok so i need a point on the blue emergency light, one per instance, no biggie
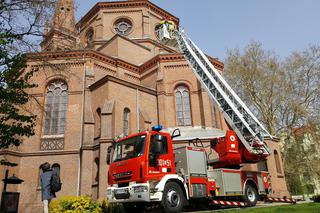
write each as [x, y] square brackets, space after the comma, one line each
[157, 128]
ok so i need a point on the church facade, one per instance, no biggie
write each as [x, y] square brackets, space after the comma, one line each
[104, 76]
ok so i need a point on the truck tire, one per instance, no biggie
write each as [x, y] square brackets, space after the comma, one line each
[133, 207]
[173, 198]
[250, 195]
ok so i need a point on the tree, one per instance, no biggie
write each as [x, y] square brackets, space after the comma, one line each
[258, 75]
[19, 21]
[284, 94]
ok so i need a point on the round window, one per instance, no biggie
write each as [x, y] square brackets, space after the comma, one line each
[123, 26]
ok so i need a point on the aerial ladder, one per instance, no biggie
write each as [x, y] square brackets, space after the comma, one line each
[240, 119]
[146, 170]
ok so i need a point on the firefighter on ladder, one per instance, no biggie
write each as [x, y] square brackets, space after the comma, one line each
[171, 27]
[168, 26]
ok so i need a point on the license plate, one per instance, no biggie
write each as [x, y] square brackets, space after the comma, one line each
[121, 191]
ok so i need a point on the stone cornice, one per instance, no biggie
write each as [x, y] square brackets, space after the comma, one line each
[174, 58]
[216, 63]
[57, 65]
[90, 147]
[39, 153]
[81, 55]
[69, 93]
[126, 4]
[115, 62]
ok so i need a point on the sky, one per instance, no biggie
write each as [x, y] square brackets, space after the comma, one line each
[282, 26]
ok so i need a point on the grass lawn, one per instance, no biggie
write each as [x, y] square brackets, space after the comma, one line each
[306, 207]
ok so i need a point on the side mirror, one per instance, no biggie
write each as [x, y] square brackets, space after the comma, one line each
[175, 133]
[109, 151]
[213, 143]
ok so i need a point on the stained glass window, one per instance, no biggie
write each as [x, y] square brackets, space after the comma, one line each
[56, 108]
[126, 114]
[183, 111]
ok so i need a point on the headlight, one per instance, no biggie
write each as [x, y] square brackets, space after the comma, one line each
[138, 189]
[109, 191]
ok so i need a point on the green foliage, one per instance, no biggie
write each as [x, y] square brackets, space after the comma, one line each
[294, 183]
[111, 208]
[14, 123]
[71, 204]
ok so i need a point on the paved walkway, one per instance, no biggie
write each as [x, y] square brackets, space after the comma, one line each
[259, 205]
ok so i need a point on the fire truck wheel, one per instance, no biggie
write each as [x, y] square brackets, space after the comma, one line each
[172, 199]
[133, 207]
[250, 195]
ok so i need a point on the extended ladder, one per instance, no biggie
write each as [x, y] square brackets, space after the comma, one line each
[247, 127]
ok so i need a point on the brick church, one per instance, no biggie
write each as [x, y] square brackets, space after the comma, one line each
[104, 76]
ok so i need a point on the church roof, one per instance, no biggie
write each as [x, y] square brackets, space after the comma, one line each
[127, 4]
[123, 37]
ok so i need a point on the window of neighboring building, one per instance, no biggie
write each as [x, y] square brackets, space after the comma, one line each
[123, 26]
[126, 117]
[277, 161]
[183, 111]
[56, 108]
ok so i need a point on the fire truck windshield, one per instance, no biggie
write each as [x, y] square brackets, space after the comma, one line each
[129, 148]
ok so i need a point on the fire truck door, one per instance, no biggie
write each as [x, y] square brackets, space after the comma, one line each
[159, 162]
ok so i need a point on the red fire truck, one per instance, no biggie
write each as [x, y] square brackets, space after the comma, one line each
[146, 170]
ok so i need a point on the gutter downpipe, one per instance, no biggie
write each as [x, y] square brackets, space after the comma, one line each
[138, 106]
[82, 126]
[157, 97]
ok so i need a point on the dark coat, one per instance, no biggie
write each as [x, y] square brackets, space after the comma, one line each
[45, 185]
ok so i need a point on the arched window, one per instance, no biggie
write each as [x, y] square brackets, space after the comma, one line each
[126, 117]
[277, 160]
[98, 124]
[97, 163]
[183, 111]
[56, 108]
[89, 37]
